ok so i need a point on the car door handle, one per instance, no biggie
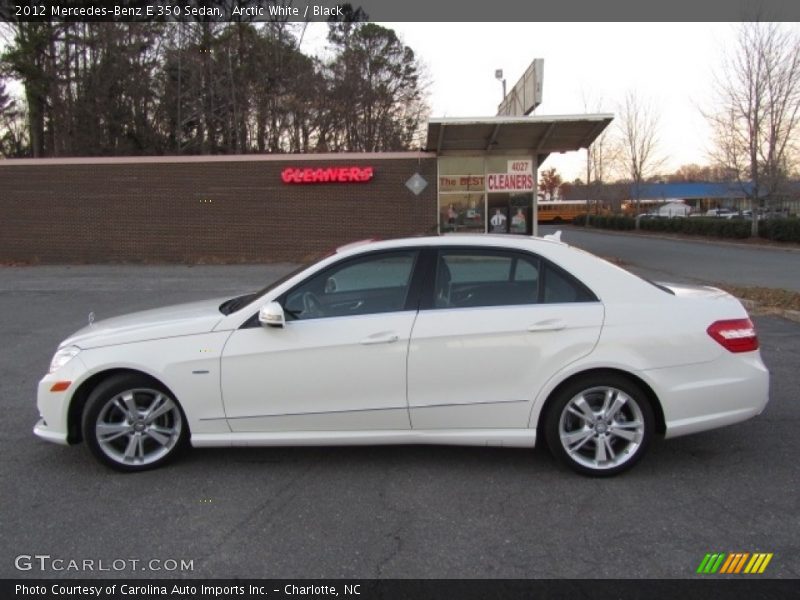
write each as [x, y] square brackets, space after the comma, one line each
[549, 325]
[380, 338]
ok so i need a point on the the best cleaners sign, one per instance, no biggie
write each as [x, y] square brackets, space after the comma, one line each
[517, 178]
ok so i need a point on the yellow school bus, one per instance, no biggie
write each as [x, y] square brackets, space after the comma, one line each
[565, 211]
[629, 207]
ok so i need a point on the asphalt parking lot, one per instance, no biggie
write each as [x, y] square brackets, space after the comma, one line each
[387, 512]
[664, 258]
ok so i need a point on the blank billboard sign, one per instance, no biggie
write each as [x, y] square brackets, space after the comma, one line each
[526, 94]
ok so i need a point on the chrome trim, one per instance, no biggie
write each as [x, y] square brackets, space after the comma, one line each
[349, 410]
[319, 412]
[467, 403]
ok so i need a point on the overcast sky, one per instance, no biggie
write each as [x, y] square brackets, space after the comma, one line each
[671, 64]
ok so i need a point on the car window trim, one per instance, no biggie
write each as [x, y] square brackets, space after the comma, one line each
[592, 297]
[420, 277]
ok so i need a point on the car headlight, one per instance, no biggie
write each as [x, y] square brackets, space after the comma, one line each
[62, 357]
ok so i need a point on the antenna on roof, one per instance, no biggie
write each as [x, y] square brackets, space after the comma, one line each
[556, 237]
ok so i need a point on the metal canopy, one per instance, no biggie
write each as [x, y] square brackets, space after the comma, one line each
[526, 135]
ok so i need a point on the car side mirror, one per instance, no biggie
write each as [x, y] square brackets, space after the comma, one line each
[271, 315]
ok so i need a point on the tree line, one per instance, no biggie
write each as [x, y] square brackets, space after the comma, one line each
[754, 120]
[108, 89]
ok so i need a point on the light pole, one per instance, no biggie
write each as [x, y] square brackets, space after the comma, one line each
[498, 74]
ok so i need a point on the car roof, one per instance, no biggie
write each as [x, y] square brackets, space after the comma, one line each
[605, 279]
[451, 239]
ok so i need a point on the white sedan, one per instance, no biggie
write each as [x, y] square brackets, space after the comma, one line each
[464, 339]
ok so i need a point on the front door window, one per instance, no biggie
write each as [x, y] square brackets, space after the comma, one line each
[373, 284]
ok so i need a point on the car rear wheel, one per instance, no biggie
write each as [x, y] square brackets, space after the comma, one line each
[132, 423]
[600, 425]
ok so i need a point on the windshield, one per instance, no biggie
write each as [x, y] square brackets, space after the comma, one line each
[233, 304]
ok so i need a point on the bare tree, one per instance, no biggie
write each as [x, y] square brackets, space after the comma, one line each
[376, 87]
[29, 59]
[600, 157]
[758, 98]
[201, 87]
[6, 102]
[693, 173]
[637, 127]
[7, 115]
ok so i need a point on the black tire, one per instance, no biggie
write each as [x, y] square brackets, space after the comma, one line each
[594, 442]
[133, 440]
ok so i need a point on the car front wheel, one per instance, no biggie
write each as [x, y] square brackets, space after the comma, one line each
[132, 423]
[599, 426]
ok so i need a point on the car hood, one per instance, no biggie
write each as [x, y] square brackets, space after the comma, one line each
[170, 321]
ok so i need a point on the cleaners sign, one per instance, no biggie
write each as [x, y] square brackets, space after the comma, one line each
[518, 178]
[327, 175]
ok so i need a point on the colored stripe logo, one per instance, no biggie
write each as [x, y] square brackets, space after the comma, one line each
[734, 563]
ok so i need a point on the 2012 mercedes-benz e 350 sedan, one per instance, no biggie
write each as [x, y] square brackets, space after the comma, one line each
[476, 340]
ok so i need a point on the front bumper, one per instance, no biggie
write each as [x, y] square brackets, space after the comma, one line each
[43, 431]
[54, 406]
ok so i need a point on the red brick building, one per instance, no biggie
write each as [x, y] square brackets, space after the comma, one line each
[476, 175]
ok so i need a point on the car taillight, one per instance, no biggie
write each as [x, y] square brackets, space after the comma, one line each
[735, 335]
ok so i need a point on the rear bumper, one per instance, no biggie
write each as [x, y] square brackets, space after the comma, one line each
[730, 389]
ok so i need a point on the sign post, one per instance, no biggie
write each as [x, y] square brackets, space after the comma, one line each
[522, 100]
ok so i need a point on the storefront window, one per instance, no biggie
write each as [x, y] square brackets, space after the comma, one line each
[486, 193]
[462, 212]
[498, 209]
[521, 209]
[462, 202]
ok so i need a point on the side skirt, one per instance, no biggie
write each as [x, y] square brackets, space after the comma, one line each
[515, 438]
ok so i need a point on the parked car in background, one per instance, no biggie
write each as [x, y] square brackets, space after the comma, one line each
[674, 209]
[669, 210]
[777, 213]
[465, 339]
[726, 213]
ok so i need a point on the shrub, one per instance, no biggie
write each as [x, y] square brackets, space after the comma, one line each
[612, 222]
[780, 230]
[713, 226]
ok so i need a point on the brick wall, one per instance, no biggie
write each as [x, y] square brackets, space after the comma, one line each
[229, 209]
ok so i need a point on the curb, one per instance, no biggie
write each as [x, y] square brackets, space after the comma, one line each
[756, 308]
[699, 239]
